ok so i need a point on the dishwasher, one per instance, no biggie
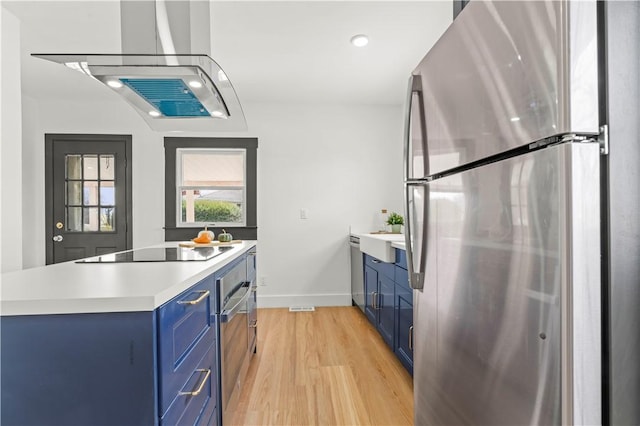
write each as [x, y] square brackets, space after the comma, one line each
[235, 292]
[357, 272]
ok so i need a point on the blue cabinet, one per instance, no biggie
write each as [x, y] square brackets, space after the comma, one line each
[403, 311]
[120, 368]
[186, 331]
[187, 356]
[385, 308]
[370, 291]
[389, 304]
[379, 292]
[79, 369]
[403, 308]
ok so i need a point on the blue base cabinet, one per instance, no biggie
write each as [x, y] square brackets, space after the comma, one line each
[403, 310]
[79, 369]
[370, 290]
[121, 368]
[389, 304]
[379, 292]
[187, 356]
[385, 308]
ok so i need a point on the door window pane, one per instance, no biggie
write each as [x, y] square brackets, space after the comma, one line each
[74, 219]
[74, 193]
[74, 167]
[90, 193]
[90, 219]
[90, 166]
[107, 219]
[107, 167]
[107, 194]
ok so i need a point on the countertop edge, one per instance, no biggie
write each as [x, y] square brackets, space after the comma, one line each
[399, 245]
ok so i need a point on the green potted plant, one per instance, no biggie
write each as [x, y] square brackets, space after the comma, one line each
[396, 221]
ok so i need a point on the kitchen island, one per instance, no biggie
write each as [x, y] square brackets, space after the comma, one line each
[117, 343]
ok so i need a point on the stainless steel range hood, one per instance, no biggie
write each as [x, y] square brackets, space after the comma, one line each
[165, 70]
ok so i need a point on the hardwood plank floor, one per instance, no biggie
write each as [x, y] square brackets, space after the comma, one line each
[328, 367]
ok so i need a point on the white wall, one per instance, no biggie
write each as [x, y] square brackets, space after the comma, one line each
[10, 144]
[32, 185]
[342, 163]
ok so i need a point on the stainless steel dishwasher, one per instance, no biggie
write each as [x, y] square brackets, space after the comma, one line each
[235, 292]
[357, 272]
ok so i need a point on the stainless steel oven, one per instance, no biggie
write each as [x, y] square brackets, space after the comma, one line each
[252, 304]
[235, 292]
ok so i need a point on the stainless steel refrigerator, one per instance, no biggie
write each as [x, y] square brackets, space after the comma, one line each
[503, 207]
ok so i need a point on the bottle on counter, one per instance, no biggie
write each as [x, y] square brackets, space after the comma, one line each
[383, 220]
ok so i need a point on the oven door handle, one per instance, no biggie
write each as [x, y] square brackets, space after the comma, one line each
[227, 314]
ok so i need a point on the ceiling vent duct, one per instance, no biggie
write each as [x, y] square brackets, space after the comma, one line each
[165, 70]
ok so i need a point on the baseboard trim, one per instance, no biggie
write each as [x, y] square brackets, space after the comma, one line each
[285, 301]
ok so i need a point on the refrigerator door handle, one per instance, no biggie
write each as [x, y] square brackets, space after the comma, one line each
[416, 275]
[414, 91]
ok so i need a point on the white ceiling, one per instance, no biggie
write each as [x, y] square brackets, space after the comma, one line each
[272, 51]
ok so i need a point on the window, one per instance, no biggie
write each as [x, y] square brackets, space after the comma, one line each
[210, 181]
[211, 187]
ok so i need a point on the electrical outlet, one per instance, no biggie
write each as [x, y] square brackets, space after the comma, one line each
[304, 213]
[262, 281]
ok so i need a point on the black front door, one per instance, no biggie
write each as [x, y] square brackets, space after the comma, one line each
[88, 195]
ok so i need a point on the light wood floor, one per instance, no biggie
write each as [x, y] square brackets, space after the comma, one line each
[327, 367]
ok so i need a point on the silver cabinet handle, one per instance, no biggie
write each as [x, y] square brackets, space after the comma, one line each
[57, 238]
[411, 338]
[201, 386]
[196, 301]
[375, 260]
[375, 300]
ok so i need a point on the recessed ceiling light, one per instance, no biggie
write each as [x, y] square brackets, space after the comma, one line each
[514, 119]
[217, 113]
[359, 40]
[154, 113]
[195, 84]
[115, 84]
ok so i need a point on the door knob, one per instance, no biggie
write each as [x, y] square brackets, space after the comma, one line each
[58, 238]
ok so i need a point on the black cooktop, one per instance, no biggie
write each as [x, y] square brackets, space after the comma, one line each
[159, 254]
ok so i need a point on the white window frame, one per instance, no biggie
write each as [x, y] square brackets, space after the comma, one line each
[180, 187]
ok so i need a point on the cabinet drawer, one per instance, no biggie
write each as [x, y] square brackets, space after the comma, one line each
[185, 332]
[195, 401]
[379, 265]
[401, 258]
[402, 277]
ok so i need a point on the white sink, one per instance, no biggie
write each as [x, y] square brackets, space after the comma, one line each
[379, 245]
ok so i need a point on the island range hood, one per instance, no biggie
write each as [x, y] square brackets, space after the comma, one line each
[165, 70]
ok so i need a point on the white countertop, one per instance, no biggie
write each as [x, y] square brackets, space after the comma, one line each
[384, 237]
[399, 245]
[71, 287]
